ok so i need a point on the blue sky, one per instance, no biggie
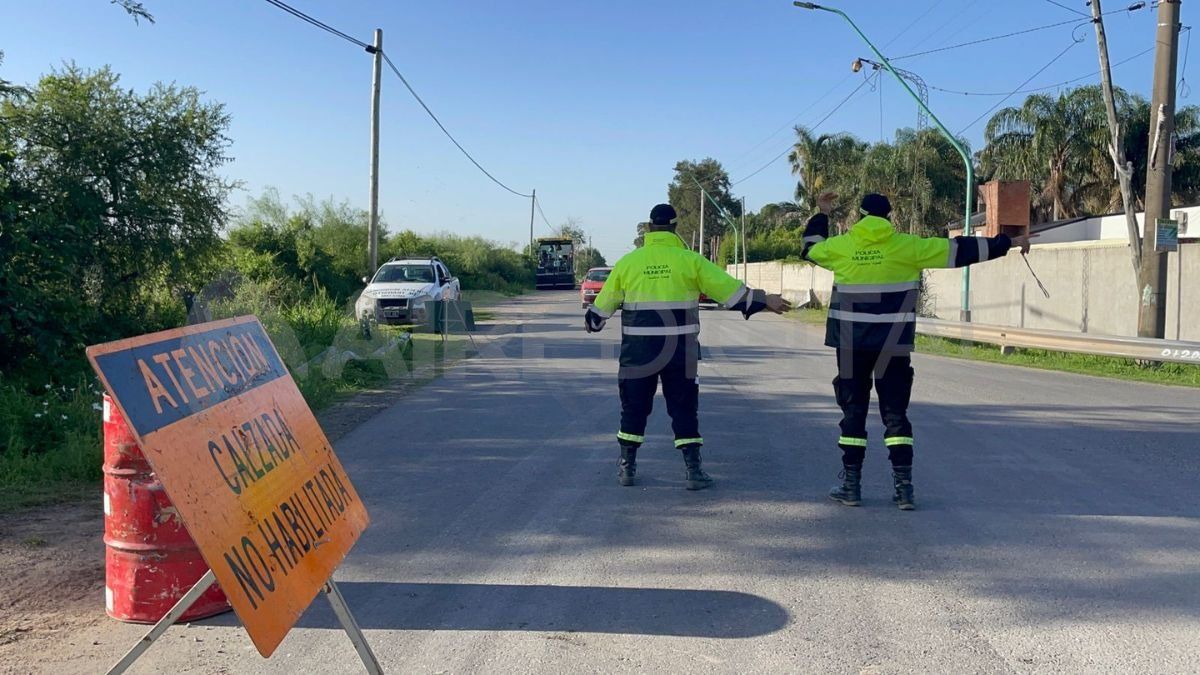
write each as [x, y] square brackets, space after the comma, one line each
[591, 103]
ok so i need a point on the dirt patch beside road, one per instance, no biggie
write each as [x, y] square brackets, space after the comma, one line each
[51, 580]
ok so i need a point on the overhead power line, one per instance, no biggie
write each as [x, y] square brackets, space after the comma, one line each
[387, 59]
[1184, 89]
[319, 24]
[812, 128]
[371, 49]
[818, 100]
[1019, 86]
[1133, 7]
[986, 39]
[1069, 9]
[538, 203]
[1041, 88]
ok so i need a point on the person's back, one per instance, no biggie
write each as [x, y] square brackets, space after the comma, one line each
[872, 324]
[657, 288]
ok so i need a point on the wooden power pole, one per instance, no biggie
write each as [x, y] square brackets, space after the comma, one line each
[373, 226]
[1152, 274]
[532, 206]
[1116, 149]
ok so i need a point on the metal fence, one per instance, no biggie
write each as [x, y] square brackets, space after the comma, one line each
[1147, 349]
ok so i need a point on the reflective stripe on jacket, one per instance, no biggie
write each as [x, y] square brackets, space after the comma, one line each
[658, 287]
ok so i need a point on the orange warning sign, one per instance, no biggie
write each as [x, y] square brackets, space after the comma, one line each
[244, 461]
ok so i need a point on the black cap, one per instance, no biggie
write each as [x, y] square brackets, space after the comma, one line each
[875, 205]
[663, 214]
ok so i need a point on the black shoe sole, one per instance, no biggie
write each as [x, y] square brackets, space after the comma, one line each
[625, 481]
[698, 484]
[846, 502]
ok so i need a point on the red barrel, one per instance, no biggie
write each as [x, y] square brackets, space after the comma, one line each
[150, 559]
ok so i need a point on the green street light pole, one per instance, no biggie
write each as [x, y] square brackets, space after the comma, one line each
[965, 312]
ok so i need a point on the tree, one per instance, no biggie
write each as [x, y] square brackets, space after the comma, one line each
[1052, 142]
[320, 244]
[134, 9]
[642, 229]
[684, 194]
[1185, 179]
[111, 208]
[825, 162]
[586, 258]
[8, 88]
[572, 229]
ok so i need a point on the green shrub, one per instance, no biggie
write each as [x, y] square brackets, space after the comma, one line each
[50, 441]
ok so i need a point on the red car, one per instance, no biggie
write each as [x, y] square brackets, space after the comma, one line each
[593, 281]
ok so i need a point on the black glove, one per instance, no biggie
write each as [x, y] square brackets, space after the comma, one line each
[592, 322]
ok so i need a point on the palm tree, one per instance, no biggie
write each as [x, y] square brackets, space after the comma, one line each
[1052, 143]
[1135, 125]
[821, 162]
[779, 213]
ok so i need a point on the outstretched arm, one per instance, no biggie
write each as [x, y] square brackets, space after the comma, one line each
[717, 284]
[816, 231]
[937, 253]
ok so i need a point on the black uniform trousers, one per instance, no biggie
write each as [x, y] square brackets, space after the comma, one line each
[892, 375]
[671, 361]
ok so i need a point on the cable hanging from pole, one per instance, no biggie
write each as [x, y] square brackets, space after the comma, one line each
[538, 204]
[387, 59]
[1077, 22]
[371, 49]
[1043, 88]
[1018, 87]
[812, 128]
[319, 24]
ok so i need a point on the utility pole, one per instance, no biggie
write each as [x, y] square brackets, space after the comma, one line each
[532, 206]
[745, 269]
[1116, 149]
[373, 226]
[702, 195]
[1152, 273]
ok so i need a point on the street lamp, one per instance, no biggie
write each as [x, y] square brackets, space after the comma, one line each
[965, 312]
[918, 215]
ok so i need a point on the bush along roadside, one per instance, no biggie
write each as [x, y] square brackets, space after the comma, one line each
[50, 434]
[50, 447]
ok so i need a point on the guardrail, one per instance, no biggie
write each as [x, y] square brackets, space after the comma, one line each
[1147, 349]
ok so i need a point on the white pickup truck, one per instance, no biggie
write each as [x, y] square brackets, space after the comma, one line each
[402, 287]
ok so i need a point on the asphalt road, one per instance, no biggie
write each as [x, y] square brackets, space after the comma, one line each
[1057, 530]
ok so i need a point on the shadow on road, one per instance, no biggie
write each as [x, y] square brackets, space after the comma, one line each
[509, 607]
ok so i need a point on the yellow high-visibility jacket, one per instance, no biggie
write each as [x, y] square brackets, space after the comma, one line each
[658, 287]
[877, 277]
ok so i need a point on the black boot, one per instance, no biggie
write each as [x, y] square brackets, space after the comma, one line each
[627, 465]
[903, 498]
[850, 493]
[695, 479]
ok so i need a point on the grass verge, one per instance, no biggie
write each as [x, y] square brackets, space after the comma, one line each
[1180, 374]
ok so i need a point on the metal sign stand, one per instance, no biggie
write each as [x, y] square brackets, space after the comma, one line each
[446, 304]
[340, 608]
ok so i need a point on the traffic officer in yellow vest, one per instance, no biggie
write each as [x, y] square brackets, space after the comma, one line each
[872, 324]
[658, 287]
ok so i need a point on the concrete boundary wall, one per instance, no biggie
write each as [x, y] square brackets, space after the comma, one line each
[792, 280]
[1091, 284]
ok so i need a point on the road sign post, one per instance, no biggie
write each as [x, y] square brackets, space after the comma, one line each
[246, 464]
